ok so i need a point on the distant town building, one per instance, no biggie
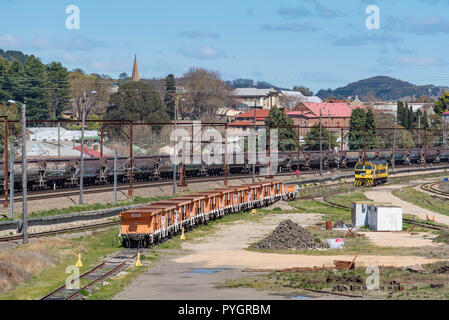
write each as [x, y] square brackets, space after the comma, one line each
[268, 98]
[335, 115]
[445, 116]
[50, 134]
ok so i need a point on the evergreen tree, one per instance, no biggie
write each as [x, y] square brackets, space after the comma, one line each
[425, 120]
[411, 117]
[34, 86]
[405, 117]
[13, 81]
[170, 95]
[5, 94]
[400, 113]
[313, 138]
[136, 101]
[370, 125]
[278, 117]
[59, 88]
[357, 124]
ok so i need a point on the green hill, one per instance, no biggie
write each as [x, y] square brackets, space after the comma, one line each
[13, 54]
[381, 88]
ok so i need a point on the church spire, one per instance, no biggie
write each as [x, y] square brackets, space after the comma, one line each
[135, 76]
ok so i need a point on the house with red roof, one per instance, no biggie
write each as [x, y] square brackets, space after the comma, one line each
[88, 152]
[445, 116]
[243, 121]
[335, 115]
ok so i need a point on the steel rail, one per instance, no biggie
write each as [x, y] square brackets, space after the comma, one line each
[65, 230]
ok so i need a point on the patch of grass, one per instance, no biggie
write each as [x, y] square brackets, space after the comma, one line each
[116, 284]
[291, 283]
[93, 247]
[423, 200]
[403, 179]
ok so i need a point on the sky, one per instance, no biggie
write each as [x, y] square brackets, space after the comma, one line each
[315, 43]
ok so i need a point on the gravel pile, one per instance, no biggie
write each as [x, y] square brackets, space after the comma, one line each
[288, 236]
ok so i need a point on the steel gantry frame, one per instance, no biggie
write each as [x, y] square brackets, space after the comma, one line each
[129, 135]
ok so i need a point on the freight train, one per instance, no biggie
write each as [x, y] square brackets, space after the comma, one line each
[54, 173]
[161, 220]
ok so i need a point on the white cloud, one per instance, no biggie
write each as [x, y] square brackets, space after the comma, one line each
[202, 52]
[8, 41]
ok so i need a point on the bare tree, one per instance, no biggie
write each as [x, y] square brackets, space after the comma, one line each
[95, 103]
[204, 93]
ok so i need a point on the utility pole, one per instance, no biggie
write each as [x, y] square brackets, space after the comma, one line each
[82, 149]
[321, 148]
[5, 184]
[329, 114]
[255, 147]
[59, 139]
[24, 177]
[115, 175]
[393, 162]
[419, 131]
[11, 182]
[174, 145]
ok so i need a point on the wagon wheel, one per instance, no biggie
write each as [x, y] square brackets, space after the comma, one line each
[126, 243]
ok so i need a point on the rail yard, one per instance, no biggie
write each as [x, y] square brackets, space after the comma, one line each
[213, 160]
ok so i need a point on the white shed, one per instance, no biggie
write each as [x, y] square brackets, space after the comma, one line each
[384, 217]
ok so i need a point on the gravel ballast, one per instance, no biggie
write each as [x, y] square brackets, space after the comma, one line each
[288, 236]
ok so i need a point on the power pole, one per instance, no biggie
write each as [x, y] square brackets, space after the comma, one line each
[329, 114]
[393, 162]
[11, 182]
[174, 145]
[321, 148]
[255, 147]
[419, 131]
[82, 149]
[24, 177]
[115, 175]
[59, 139]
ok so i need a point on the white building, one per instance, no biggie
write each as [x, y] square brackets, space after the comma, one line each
[50, 134]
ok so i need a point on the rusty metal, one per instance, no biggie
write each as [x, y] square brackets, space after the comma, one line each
[101, 141]
[6, 203]
[226, 156]
[364, 144]
[130, 191]
[341, 139]
[182, 177]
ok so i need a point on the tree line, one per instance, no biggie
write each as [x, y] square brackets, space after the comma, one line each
[45, 89]
[410, 119]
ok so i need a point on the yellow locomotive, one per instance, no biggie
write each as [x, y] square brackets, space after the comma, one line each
[371, 173]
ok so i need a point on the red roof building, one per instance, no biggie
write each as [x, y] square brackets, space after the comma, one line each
[335, 115]
[88, 152]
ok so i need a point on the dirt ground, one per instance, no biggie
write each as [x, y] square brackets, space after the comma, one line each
[401, 239]
[174, 277]
[227, 246]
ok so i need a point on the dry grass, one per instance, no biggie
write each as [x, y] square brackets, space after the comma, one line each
[20, 264]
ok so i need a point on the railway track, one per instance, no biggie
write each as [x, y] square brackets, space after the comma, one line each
[98, 273]
[66, 230]
[431, 187]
